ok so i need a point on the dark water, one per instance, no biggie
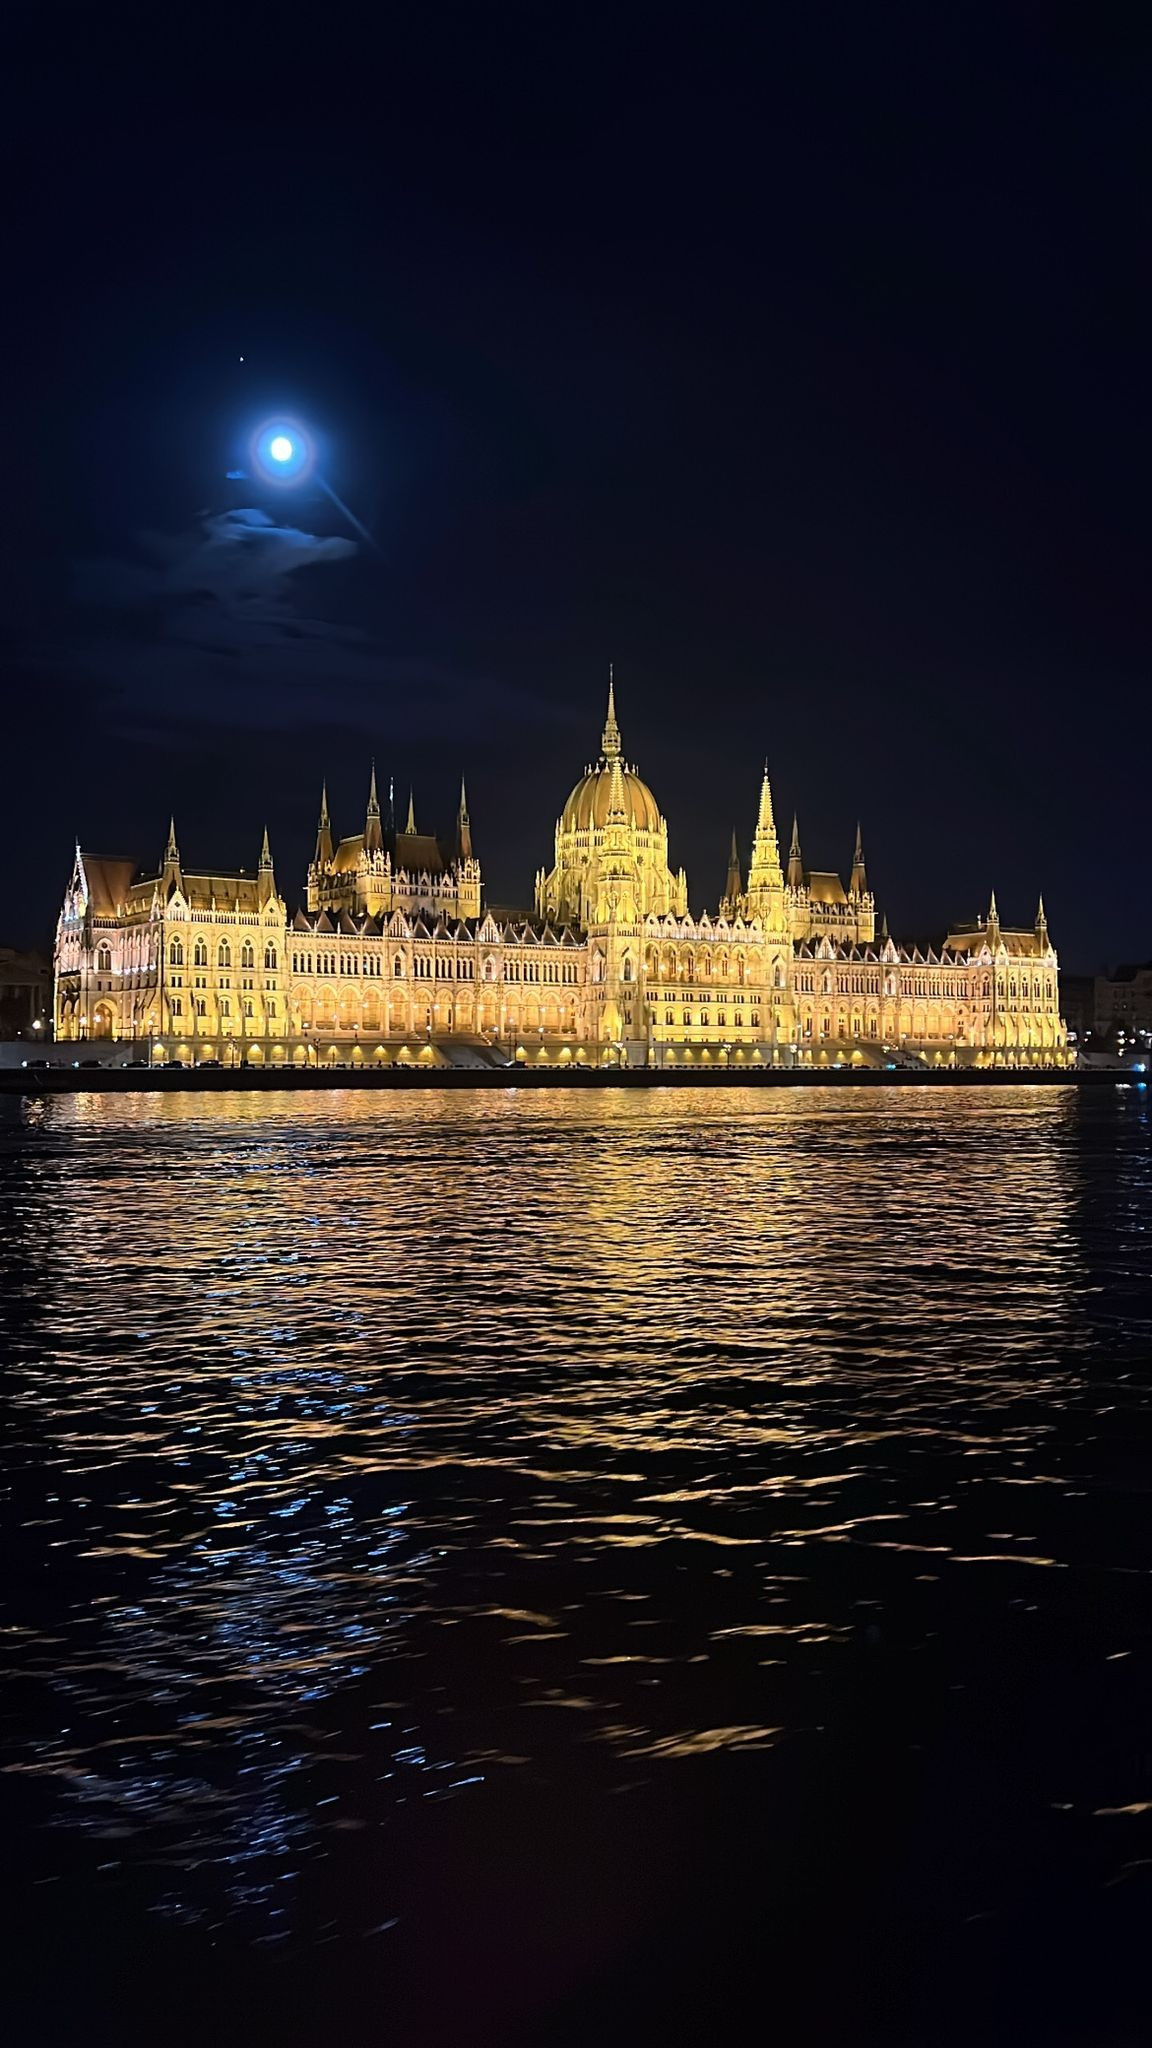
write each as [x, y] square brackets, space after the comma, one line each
[578, 1568]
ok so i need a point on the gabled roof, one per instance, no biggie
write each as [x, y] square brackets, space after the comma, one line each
[109, 878]
[825, 887]
[348, 854]
[418, 853]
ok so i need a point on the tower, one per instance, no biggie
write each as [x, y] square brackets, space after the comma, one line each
[266, 878]
[463, 827]
[322, 858]
[858, 886]
[733, 888]
[795, 859]
[373, 835]
[171, 874]
[765, 892]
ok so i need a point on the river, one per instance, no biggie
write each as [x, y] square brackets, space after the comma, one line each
[558, 1568]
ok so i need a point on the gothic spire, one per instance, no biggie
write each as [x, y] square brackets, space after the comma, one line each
[610, 737]
[323, 854]
[463, 827]
[795, 859]
[764, 873]
[373, 836]
[411, 824]
[171, 851]
[858, 886]
[765, 822]
[732, 888]
[265, 875]
[1041, 920]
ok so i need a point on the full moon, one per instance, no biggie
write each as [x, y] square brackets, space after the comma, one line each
[280, 448]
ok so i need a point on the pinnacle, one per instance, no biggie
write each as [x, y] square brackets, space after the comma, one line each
[610, 738]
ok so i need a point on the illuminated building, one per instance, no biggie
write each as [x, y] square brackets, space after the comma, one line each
[395, 957]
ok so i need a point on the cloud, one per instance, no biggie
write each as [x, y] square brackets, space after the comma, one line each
[207, 627]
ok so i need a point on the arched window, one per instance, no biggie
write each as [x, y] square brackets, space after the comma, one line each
[103, 959]
[398, 968]
[270, 959]
[200, 954]
[627, 970]
[176, 954]
[224, 954]
[247, 957]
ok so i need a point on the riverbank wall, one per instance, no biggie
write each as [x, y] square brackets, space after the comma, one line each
[295, 1080]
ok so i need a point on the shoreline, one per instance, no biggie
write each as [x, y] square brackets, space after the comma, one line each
[280, 1080]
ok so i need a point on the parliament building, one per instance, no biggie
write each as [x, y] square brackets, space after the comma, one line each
[396, 956]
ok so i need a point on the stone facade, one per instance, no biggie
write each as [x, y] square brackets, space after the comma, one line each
[395, 958]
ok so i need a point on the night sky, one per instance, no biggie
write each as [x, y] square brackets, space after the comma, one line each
[800, 371]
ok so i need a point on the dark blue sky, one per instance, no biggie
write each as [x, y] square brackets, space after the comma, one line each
[799, 370]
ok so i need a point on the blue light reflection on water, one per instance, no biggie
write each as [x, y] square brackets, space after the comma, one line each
[372, 1452]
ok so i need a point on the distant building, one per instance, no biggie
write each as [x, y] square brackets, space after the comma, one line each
[1123, 1000]
[25, 994]
[1078, 1004]
[394, 954]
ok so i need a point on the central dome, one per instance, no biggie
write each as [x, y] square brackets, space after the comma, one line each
[587, 807]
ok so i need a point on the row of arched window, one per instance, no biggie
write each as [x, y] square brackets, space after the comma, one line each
[223, 955]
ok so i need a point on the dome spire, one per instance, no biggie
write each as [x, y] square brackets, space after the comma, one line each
[610, 737]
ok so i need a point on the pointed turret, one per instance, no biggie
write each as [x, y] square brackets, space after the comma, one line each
[322, 857]
[410, 827]
[463, 827]
[733, 888]
[171, 869]
[993, 922]
[858, 886]
[765, 894]
[610, 737]
[373, 836]
[265, 873]
[795, 859]
[1041, 927]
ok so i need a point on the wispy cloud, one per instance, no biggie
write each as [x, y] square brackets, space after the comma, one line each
[210, 627]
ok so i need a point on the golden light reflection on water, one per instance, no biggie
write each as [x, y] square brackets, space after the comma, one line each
[359, 1437]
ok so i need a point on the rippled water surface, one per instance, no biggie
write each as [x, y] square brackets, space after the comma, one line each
[539, 1568]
